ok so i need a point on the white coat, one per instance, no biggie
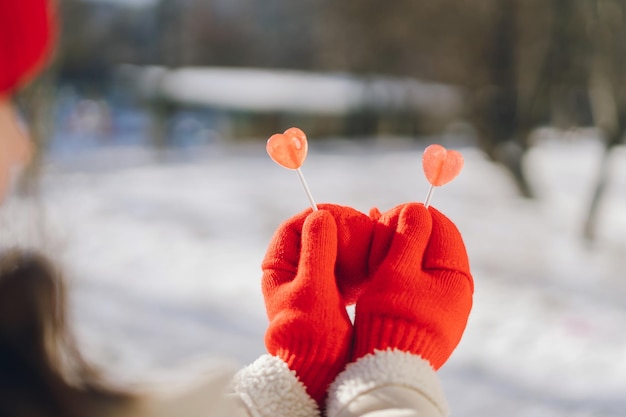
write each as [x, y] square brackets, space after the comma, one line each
[385, 384]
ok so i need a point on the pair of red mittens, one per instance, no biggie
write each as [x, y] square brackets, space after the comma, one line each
[407, 270]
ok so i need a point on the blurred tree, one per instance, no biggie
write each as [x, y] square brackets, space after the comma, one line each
[607, 77]
[521, 63]
[274, 33]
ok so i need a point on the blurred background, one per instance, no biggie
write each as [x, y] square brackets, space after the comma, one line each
[170, 73]
[153, 187]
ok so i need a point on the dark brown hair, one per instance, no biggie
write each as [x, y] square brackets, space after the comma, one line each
[38, 355]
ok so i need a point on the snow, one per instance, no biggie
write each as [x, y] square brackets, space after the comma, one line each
[163, 251]
[127, 3]
[290, 91]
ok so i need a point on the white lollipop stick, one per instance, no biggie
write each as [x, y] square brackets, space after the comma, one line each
[429, 196]
[306, 189]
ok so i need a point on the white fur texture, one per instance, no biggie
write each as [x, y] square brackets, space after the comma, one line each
[382, 369]
[270, 389]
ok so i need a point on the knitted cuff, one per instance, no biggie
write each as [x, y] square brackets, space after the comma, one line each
[381, 333]
[270, 389]
[315, 367]
[316, 352]
[384, 369]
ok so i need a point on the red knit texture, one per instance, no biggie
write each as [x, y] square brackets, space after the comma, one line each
[420, 294]
[354, 238]
[309, 327]
[27, 33]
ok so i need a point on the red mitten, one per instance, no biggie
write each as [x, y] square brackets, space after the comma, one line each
[27, 33]
[309, 327]
[354, 237]
[420, 294]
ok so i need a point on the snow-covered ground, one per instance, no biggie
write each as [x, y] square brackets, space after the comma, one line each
[163, 255]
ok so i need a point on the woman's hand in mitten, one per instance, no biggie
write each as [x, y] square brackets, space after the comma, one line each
[354, 237]
[309, 328]
[420, 293]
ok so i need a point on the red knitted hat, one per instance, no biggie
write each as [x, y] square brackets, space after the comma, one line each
[27, 35]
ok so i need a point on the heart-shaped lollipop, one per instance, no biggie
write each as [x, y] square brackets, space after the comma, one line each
[289, 150]
[440, 167]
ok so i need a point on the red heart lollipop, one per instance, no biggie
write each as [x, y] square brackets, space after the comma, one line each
[441, 165]
[288, 149]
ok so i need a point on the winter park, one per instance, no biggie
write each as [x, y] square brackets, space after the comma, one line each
[152, 186]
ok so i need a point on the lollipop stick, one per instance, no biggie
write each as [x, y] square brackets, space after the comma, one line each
[429, 196]
[306, 189]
